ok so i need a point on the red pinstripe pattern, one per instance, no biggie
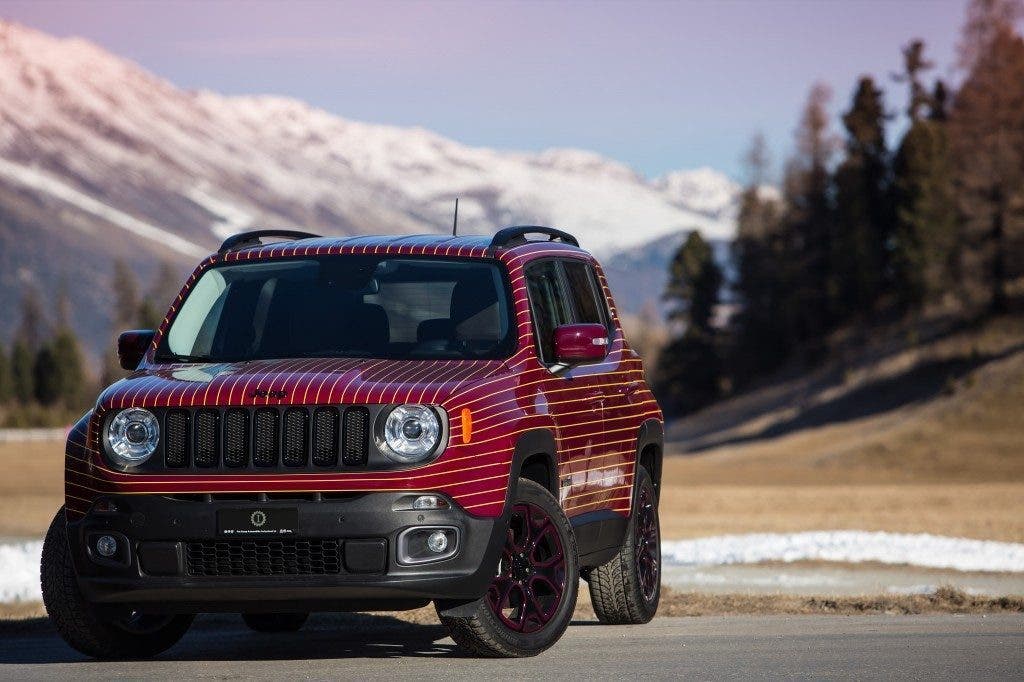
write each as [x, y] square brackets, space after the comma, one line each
[596, 447]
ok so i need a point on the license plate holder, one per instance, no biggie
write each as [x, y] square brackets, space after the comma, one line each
[261, 522]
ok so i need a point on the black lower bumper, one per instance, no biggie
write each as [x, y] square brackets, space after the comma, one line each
[175, 555]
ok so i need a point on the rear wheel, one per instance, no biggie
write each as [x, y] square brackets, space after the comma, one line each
[275, 622]
[626, 590]
[139, 635]
[530, 601]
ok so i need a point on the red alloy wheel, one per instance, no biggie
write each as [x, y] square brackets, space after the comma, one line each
[648, 544]
[528, 589]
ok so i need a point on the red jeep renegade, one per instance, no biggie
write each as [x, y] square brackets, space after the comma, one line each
[368, 423]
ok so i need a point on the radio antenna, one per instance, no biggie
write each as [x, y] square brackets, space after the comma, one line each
[455, 221]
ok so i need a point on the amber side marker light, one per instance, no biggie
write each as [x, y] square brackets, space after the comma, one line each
[467, 425]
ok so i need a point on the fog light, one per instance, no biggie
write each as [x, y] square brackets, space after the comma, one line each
[437, 542]
[429, 502]
[419, 545]
[106, 546]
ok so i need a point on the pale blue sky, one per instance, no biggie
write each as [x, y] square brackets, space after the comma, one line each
[658, 85]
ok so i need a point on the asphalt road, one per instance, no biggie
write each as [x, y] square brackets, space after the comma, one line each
[363, 647]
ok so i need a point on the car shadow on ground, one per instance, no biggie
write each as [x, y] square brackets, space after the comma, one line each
[225, 638]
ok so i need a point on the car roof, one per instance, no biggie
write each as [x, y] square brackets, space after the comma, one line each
[464, 246]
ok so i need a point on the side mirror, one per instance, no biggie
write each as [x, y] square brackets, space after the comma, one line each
[580, 343]
[132, 345]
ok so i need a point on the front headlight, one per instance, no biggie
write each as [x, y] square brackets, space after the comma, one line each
[411, 433]
[132, 437]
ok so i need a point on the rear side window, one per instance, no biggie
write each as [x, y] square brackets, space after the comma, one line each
[584, 292]
[549, 302]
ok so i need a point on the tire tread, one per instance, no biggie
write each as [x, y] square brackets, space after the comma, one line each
[614, 588]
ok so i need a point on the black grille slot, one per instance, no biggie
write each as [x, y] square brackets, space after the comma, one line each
[237, 557]
[176, 438]
[356, 436]
[296, 437]
[206, 433]
[325, 437]
[265, 438]
[236, 438]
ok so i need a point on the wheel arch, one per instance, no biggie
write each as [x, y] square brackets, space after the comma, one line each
[650, 449]
[535, 459]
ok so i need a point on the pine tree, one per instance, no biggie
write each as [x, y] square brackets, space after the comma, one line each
[807, 234]
[860, 256]
[6, 381]
[32, 327]
[689, 368]
[46, 376]
[126, 316]
[914, 64]
[126, 297]
[987, 145]
[759, 334]
[22, 377]
[693, 284]
[163, 290]
[71, 380]
[925, 214]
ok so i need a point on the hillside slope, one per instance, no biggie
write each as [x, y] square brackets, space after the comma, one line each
[912, 406]
[101, 159]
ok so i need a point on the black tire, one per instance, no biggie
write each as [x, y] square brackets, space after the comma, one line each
[78, 622]
[485, 633]
[275, 622]
[622, 593]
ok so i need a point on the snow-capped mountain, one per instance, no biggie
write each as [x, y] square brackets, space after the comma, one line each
[101, 159]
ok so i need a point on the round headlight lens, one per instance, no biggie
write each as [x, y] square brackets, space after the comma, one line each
[132, 436]
[411, 432]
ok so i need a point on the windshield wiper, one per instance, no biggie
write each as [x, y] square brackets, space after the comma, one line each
[174, 357]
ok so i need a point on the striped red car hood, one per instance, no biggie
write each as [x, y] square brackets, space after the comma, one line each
[300, 382]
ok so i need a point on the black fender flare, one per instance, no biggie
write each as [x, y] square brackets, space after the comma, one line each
[530, 443]
[651, 433]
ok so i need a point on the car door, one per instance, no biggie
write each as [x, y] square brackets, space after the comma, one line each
[575, 396]
[601, 480]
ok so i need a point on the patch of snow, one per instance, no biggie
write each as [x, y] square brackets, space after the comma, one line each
[703, 189]
[19, 571]
[231, 219]
[930, 551]
[41, 182]
[283, 162]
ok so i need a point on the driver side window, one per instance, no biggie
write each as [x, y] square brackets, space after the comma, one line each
[549, 304]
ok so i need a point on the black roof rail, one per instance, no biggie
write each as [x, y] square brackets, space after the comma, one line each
[516, 235]
[243, 239]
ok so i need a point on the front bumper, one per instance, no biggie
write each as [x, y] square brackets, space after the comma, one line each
[153, 572]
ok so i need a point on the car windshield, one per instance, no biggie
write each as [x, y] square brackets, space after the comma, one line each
[343, 306]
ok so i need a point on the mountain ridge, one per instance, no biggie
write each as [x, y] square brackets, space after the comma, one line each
[101, 159]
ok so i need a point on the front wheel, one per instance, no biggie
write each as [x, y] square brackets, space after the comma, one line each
[140, 635]
[530, 601]
[626, 590]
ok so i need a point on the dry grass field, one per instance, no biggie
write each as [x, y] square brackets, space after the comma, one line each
[923, 440]
[929, 439]
[31, 488]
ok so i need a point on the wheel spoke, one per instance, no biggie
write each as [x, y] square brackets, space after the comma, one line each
[647, 544]
[531, 578]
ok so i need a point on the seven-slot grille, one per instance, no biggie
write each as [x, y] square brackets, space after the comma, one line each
[266, 437]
